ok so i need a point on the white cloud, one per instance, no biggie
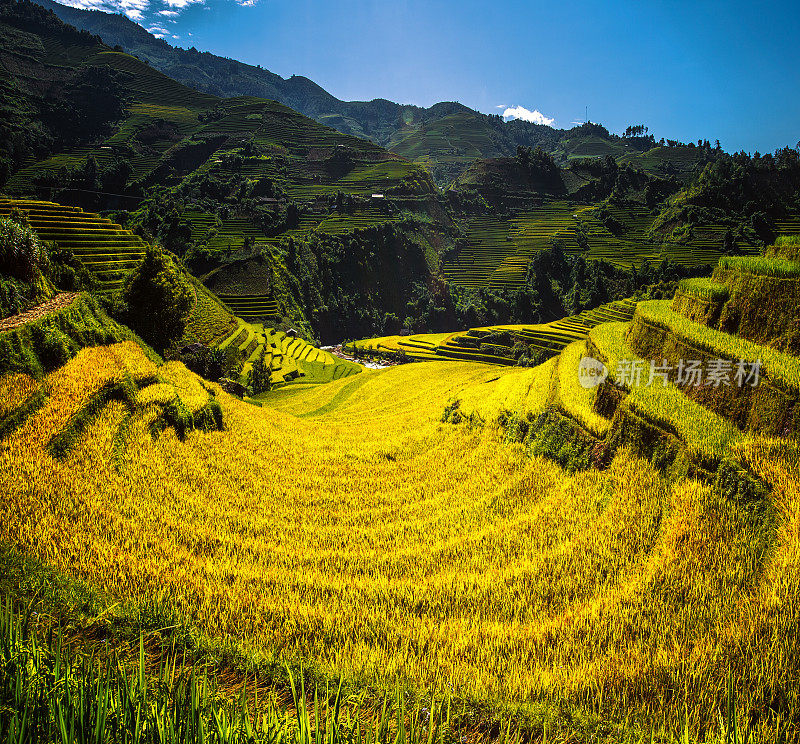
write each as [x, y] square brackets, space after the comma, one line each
[134, 9]
[181, 4]
[535, 117]
[157, 30]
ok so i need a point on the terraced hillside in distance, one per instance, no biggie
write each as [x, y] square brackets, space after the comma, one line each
[240, 174]
[107, 250]
[500, 248]
[680, 161]
[500, 344]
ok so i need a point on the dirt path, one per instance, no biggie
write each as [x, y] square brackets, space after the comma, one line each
[59, 301]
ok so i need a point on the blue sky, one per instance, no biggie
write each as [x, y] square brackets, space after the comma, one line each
[688, 70]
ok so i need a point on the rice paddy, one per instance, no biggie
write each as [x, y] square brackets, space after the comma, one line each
[500, 248]
[548, 338]
[108, 251]
[388, 545]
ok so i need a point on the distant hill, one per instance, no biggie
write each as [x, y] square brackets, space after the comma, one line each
[446, 137]
[332, 233]
[237, 187]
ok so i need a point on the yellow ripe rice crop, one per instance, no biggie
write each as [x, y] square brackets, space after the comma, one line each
[73, 385]
[187, 385]
[346, 525]
[705, 432]
[14, 391]
[160, 393]
[519, 390]
[570, 397]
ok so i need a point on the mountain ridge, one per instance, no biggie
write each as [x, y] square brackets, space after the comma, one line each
[429, 136]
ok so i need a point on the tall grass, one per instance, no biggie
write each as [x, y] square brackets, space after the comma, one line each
[705, 289]
[766, 266]
[48, 694]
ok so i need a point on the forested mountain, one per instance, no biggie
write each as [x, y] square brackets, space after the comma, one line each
[344, 238]
[446, 137]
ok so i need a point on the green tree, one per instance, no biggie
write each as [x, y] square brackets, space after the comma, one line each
[258, 378]
[158, 299]
[22, 255]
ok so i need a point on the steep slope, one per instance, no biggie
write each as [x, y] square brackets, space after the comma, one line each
[108, 251]
[598, 208]
[234, 185]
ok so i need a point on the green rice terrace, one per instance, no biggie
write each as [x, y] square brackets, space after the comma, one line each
[499, 248]
[107, 250]
[287, 357]
[110, 254]
[501, 344]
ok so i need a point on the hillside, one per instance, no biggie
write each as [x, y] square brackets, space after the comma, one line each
[549, 495]
[298, 225]
[509, 530]
[228, 185]
[445, 137]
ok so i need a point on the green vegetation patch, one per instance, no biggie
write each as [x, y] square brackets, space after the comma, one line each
[43, 345]
[786, 246]
[763, 265]
[705, 289]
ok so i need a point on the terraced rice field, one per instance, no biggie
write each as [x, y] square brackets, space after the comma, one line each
[347, 527]
[788, 226]
[634, 244]
[106, 249]
[21, 180]
[500, 249]
[291, 359]
[465, 345]
[150, 86]
[341, 224]
[251, 306]
[230, 236]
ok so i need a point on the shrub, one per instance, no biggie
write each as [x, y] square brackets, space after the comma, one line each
[67, 271]
[22, 255]
[158, 299]
[259, 376]
[52, 347]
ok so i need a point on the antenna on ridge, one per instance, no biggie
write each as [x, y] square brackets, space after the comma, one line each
[586, 116]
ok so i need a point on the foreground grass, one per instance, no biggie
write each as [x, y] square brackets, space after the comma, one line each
[48, 694]
[347, 528]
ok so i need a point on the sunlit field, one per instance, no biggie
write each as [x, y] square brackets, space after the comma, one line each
[346, 526]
